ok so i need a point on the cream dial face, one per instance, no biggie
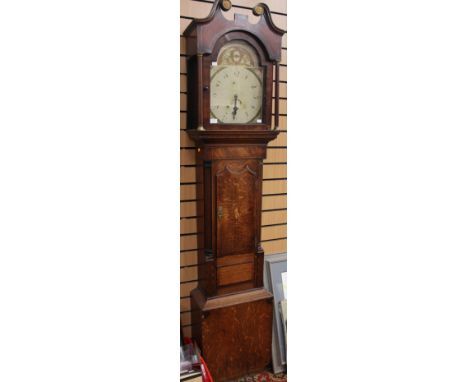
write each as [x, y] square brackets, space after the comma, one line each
[236, 94]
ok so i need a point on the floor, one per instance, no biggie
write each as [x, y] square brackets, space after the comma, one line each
[265, 376]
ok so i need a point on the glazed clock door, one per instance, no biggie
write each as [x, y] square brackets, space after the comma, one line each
[237, 190]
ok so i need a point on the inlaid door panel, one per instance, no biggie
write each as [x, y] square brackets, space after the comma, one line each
[236, 187]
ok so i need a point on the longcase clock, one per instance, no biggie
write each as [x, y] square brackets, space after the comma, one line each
[231, 67]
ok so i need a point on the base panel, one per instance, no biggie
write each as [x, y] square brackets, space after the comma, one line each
[234, 332]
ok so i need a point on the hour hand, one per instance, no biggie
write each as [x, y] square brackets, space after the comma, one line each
[235, 108]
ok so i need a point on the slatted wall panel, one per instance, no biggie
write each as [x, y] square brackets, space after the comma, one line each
[274, 231]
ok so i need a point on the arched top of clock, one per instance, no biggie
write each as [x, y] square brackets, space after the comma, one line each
[258, 47]
[203, 34]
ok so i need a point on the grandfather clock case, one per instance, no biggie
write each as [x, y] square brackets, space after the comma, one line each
[231, 92]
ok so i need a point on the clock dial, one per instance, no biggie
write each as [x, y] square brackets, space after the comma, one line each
[236, 91]
[236, 94]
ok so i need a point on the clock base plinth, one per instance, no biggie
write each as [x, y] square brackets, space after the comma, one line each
[233, 331]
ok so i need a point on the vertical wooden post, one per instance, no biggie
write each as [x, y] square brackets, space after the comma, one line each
[200, 91]
[277, 95]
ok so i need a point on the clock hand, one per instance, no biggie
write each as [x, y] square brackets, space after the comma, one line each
[235, 108]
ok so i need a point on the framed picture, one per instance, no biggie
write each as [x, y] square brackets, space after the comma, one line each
[275, 266]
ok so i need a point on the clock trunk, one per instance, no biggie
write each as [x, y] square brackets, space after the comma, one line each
[231, 311]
